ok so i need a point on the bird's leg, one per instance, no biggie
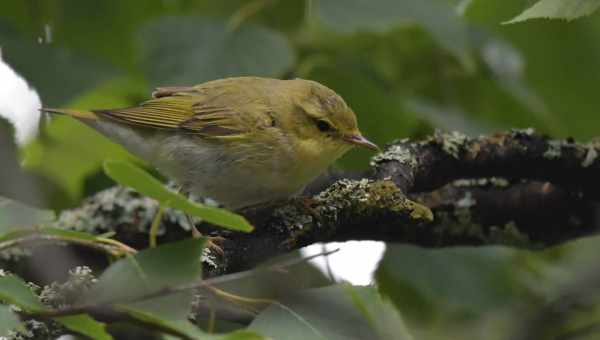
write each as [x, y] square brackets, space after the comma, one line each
[212, 242]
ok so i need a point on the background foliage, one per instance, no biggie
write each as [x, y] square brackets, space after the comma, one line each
[406, 67]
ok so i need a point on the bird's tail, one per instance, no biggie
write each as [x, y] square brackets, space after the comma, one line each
[73, 113]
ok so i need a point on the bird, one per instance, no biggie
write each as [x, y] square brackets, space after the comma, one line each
[241, 141]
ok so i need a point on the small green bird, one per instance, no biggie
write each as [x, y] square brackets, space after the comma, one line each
[241, 141]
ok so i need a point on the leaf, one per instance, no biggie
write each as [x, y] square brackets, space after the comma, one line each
[185, 329]
[130, 175]
[557, 9]
[8, 320]
[14, 291]
[148, 271]
[473, 280]
[151, 271]
[342, 313]
[381, 315]
[85, 325]
[191, 50]
[437, 17]
[14, 215]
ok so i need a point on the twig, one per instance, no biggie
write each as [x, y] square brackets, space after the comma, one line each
[208, 283]
[112, 247]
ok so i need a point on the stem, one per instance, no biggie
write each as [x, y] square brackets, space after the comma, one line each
[155, 225]
[112, 247]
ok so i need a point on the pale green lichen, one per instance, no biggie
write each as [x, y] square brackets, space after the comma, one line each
[60, 295]
[209, 258]
[590, 156]
[32, 330]
[554, 150]
[467, 201]
[509, 234]
[459, 222]
[523, 132]
[396, 152]
[120, 206]
[453, 143]
[364, 195]
[482, 182]
[359, 197]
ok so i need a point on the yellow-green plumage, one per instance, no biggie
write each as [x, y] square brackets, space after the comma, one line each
[241, 141]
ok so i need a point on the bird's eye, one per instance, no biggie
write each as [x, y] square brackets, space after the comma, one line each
[324, 125]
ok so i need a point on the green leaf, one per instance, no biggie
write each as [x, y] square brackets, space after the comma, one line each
[342, 313]
[557, 9]
[381, 315]
[185, 329]
[151, 271]
[191, 50]
[473, 280]
[14, 215]
[15, 291]
[130, 175]
[148, 271]
[8, 320]
[437, 17]
[85, 325]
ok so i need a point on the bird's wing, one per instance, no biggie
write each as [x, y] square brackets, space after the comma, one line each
[185, 109]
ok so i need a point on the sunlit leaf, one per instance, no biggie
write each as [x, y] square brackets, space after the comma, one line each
[557, 9]
[191, 50]
[130, 175]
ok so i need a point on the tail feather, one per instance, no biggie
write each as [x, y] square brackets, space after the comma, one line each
[72, 113]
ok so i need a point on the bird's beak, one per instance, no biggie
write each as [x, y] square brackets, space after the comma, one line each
[359, 140]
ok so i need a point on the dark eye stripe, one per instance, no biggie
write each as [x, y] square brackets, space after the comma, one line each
[324, 126]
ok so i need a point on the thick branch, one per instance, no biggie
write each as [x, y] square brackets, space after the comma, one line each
[547, 195]
[522, 154]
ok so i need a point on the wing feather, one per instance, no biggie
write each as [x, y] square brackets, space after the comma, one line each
[180, 108]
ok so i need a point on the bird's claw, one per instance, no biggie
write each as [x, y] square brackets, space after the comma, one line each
[214, 243]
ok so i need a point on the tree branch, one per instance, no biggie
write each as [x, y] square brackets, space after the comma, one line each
[522, 189]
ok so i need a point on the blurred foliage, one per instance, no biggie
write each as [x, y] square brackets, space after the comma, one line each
[406, 67]
[413, 64]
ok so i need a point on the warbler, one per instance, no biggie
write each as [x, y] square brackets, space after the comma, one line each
[241, 141]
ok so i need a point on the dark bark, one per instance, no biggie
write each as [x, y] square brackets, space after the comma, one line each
[519, 188]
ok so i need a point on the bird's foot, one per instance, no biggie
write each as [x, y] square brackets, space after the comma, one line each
[212, 242]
